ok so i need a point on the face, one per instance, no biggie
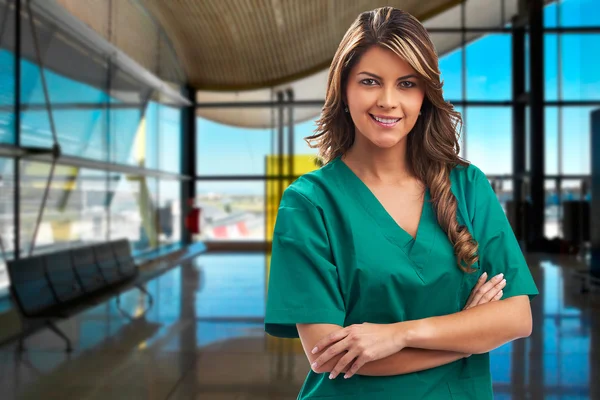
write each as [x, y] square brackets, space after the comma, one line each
[384, 96]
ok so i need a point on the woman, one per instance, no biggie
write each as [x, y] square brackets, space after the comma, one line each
[381, 258]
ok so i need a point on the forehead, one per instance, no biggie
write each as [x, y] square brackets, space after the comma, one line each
[383, 62]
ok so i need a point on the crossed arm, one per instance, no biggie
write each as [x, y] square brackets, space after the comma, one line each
[436, 341]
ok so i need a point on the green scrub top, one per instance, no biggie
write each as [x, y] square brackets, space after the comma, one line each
[338, 257]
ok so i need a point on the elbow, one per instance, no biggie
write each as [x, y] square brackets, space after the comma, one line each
[522, 317]
[526, 327]
[526, 323]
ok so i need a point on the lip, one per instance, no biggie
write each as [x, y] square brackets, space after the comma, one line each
[385, 116]
[382, 124]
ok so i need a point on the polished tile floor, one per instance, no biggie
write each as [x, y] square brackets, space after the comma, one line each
[203, 339]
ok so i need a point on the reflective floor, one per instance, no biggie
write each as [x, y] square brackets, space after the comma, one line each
[203, 339]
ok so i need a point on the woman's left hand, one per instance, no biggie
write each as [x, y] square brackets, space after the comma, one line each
[364, 342]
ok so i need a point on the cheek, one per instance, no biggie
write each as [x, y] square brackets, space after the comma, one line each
[416, 102]
[361, 101]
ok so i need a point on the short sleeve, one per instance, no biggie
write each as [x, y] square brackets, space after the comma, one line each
[303, 281]
[499, 250]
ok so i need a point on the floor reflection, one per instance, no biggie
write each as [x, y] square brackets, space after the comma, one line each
[203, 338]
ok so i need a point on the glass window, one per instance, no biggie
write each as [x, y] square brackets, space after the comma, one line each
[127, 130]
[579, 75]
[81, 133]
[303, 130]
[232, 210]
[550, 66]
[489, 138]
[451, 64]
[7, 121]
[7, 222]
[550, 15]
[552, 217]
[151, 138]
[7, 77]
[225, 149]
[576, 132]
[170, 138]
[134, 135]
[133, 122]
[576, 13]
[489, 80]
[551, 140]
[169, 211]
[131, 210]
[461, 132]
[75, 210]
[119, 124]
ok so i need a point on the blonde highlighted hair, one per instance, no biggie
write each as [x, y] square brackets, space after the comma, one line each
[432, 144]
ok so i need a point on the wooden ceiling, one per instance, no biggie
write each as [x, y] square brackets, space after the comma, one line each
[230, 45]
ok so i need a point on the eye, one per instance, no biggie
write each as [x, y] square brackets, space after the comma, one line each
[409, 84]
[365, 82]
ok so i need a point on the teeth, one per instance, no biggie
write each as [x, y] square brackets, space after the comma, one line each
[386, 121]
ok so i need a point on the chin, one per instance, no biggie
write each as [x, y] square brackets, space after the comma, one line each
[386, 142]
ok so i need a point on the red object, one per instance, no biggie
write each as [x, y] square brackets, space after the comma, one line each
[220, 232]
[242, 229]
[192, 220]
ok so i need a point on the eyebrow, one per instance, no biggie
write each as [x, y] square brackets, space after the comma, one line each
[380, 78]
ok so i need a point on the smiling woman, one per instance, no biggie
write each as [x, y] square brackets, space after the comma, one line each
[376, 94]
[381, 258]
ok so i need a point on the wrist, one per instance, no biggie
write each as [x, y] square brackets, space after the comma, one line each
[405, 334]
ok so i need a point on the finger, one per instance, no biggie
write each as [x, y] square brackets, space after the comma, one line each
[330, 339]
[479, 287]
[480, 282]
[491, 294]
[498, 296]
[331, 352]
[486, 288]
[341, 364]
[356, 366]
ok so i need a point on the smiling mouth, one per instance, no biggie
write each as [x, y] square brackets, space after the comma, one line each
[387, 122]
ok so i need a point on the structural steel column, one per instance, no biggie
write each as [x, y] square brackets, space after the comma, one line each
[17, 130]
[595, 189]
[536, 97]
[188, 160]
[518, 123]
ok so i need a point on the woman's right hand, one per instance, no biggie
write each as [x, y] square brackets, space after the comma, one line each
[486, 292]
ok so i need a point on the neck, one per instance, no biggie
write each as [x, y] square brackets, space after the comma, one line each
[380, 166]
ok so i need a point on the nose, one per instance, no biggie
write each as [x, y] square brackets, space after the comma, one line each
[388, 99]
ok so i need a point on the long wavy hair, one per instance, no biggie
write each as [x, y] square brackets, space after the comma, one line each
[432, 144]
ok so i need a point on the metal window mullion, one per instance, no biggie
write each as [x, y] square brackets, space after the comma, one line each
[56, 146]
[17, 130]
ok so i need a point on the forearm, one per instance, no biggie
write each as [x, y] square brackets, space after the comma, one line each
[404, 362]
[476, 330]
[409, 360]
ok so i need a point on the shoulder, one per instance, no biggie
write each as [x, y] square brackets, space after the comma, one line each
[312, 187]
[467, 176]
[471, 187]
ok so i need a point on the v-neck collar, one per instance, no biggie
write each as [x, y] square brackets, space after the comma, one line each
[418, 248]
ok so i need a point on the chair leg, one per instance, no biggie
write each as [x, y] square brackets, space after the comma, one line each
[123, 312]
[143, 289]
[60, 333]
